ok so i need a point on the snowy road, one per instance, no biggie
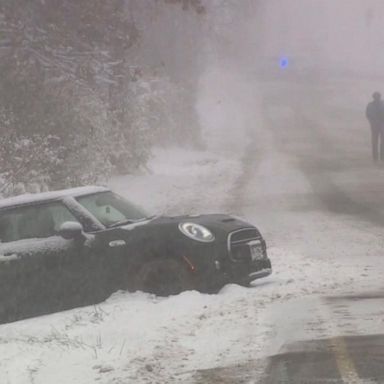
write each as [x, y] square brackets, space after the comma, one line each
[303, 175]
[335, 340]
[318, 199]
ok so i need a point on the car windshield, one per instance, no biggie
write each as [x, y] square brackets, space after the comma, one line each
[111, 209]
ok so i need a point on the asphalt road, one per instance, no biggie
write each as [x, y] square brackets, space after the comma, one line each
[342, 359]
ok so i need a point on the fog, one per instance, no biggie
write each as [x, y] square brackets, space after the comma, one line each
[320, 39]
[342, 36]
[138, 74]
[336, 45]
[333, 35]
[310, 108]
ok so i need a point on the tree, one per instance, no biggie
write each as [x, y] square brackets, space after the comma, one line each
[72, 82]
[196, 5]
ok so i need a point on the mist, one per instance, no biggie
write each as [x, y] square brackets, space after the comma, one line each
[343, 35]
[188, 70]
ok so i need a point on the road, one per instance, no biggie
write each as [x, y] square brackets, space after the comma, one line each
[331, 151]
[348, 356]
[349, 351]
[310, 183]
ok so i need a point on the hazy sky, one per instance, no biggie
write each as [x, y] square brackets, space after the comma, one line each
[340, 33]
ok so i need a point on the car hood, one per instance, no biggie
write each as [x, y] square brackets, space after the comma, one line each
[164, 229]
[213, 221]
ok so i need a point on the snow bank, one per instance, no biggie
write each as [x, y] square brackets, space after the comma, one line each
[141, 338]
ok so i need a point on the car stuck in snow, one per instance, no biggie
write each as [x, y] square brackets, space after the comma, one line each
[75, 247]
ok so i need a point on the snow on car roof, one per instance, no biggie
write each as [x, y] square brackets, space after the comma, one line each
[38, 197]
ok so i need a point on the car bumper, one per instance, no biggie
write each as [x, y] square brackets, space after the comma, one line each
[257, 275]
[234, 273]
[244, 273]
[233, 263]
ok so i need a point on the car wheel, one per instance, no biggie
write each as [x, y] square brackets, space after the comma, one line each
[164, 278]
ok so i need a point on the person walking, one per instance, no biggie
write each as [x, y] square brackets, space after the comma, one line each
[375, 116]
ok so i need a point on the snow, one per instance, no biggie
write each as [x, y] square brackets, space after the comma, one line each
[201, 178]
[70, 226]
[139, 223]
[328, 319]
[8, 258]
[36, 197]
[140, 338]
[52, 243]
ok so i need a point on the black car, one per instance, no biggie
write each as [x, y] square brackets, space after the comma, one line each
[75, 247]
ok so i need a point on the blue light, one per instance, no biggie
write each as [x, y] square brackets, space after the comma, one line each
[284, 63]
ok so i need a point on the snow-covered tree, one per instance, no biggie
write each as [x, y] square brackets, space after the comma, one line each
[80, 91]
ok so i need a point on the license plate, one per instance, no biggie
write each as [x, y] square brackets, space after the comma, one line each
[256, 250]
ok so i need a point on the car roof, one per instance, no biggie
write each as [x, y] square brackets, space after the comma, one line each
[47, 196]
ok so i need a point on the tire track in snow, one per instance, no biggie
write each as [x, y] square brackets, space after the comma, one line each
[316, 154]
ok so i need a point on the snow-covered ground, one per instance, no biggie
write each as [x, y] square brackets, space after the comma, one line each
[181, 181]
[139, 338]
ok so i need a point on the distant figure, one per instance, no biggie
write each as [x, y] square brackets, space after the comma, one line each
[375, 115]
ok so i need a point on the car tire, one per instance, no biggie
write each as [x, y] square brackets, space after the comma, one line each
[164, 277]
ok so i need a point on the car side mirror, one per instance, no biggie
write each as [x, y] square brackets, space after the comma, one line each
[71, 230]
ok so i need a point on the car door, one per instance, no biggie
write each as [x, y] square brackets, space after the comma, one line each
[36, 264]
[79, 273]
[20, 263]
[116, 243]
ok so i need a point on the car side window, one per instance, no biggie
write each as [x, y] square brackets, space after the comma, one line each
[38, 221]
[60, 214]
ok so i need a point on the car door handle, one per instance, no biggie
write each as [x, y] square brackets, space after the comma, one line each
[117, 243]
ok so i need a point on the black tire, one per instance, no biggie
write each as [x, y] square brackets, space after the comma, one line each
[164, 277]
